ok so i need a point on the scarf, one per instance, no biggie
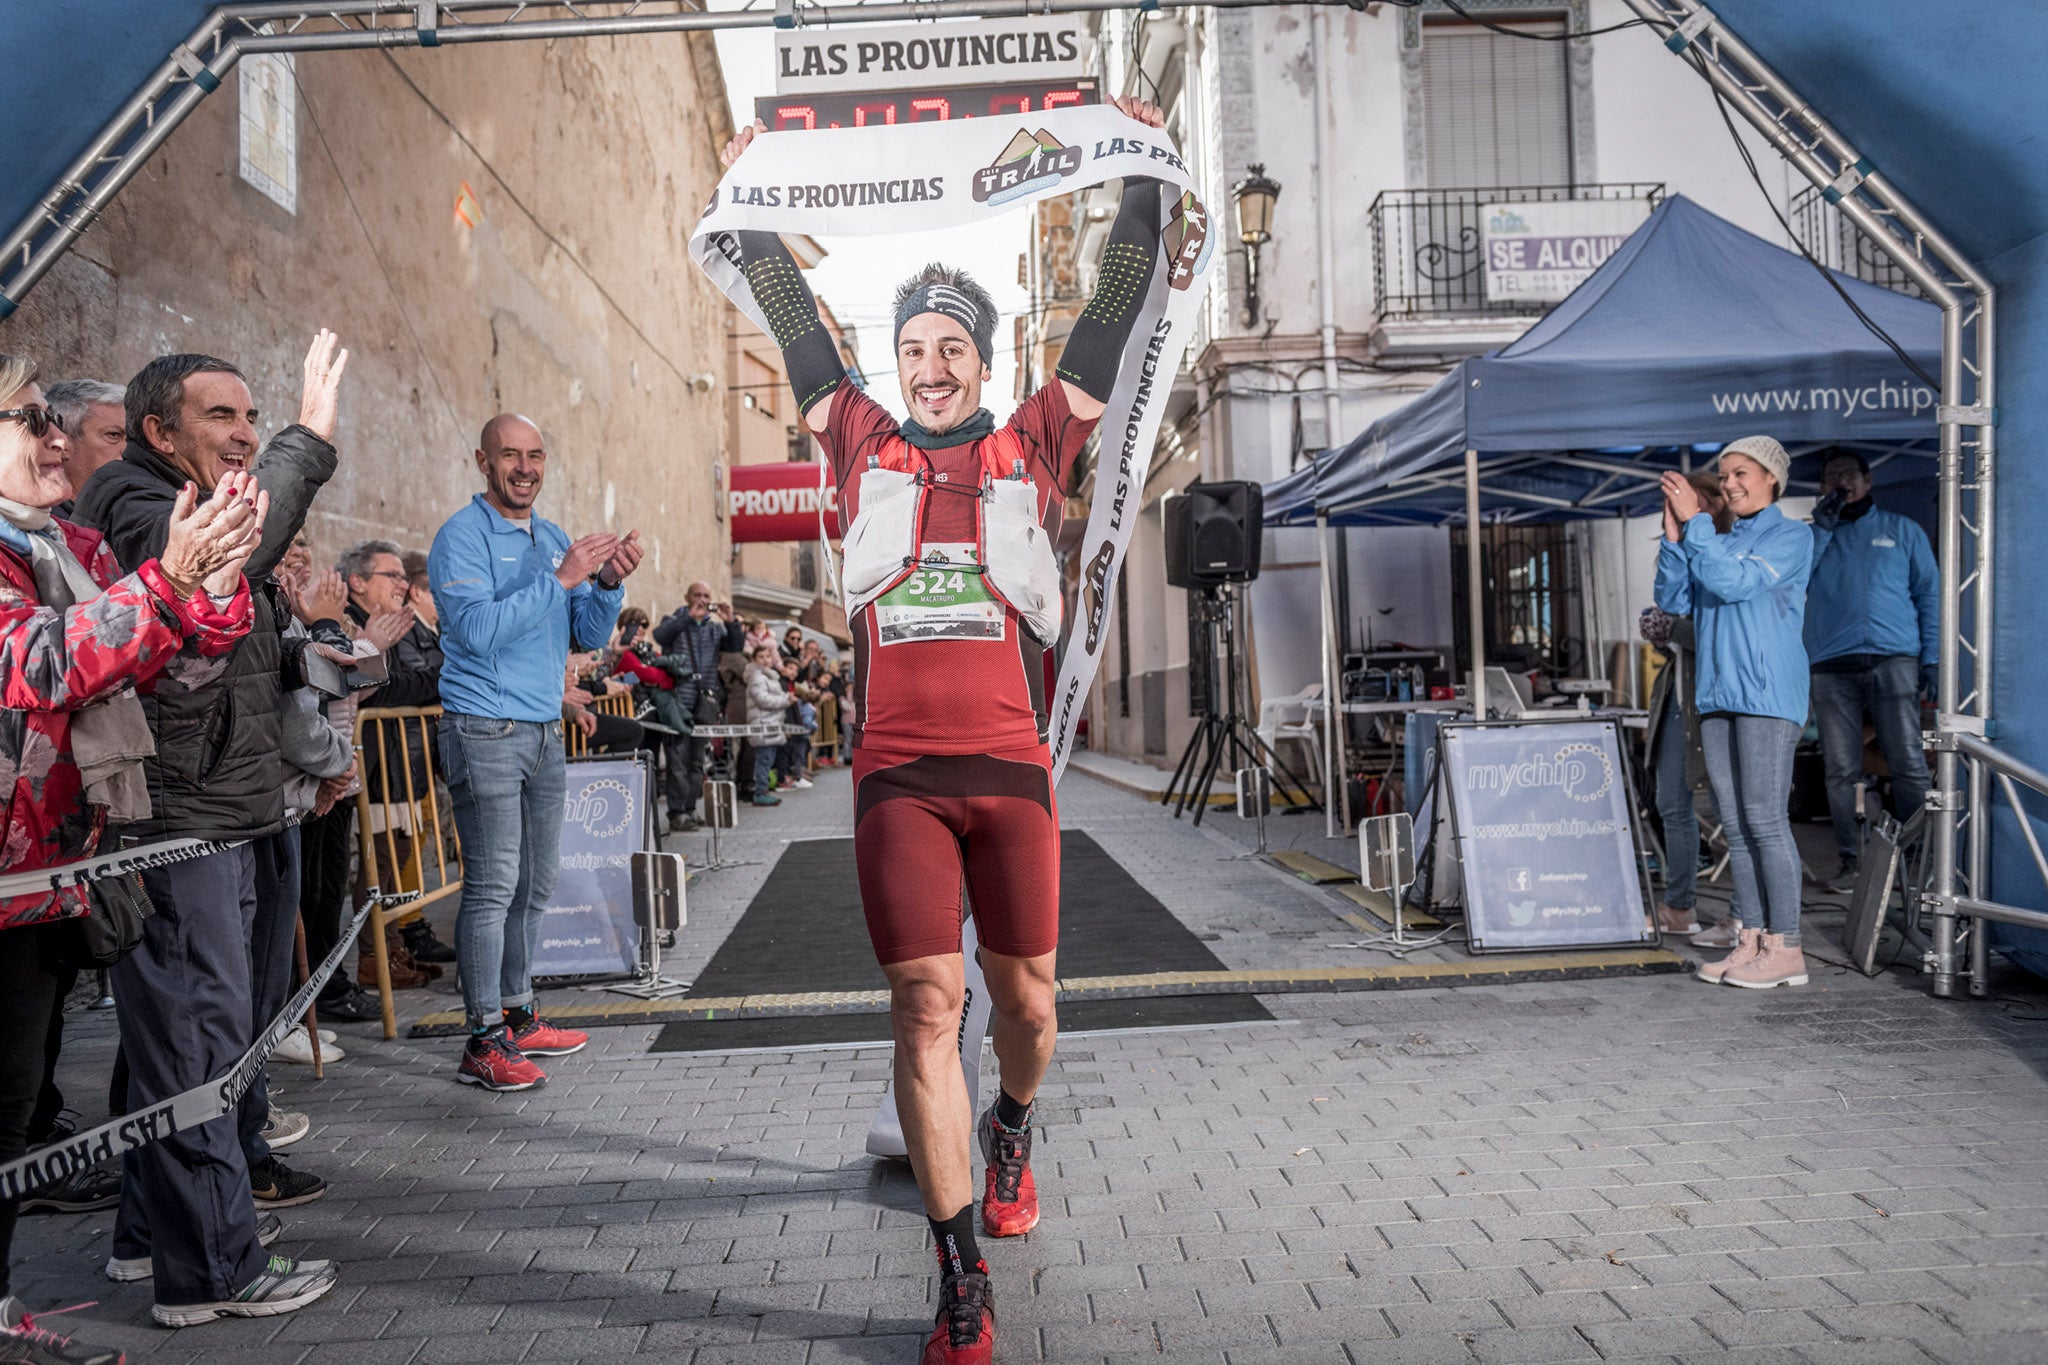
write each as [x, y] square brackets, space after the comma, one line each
[109, 738]
[851, 182]
[973, 429]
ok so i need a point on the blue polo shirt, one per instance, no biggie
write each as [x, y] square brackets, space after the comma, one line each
[507, 623]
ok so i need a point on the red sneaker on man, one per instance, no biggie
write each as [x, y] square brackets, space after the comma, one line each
[493, 1061]
[966, 1330]
[542, 1039]
[1009, 1202]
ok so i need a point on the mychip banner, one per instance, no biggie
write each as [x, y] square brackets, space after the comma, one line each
[588, 929]
[915, 177]
[1544, 821]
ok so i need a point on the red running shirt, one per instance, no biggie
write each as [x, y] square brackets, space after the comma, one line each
[947, 670]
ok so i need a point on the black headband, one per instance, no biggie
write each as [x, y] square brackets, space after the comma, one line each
[950, 302]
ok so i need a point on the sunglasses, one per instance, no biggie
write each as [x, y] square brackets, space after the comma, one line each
[37, 420]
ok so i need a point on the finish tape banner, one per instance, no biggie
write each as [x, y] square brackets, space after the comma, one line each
[199, 1105]
[780, 501]
[889, 179]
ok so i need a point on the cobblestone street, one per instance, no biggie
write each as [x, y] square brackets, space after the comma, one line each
[1637, 1169]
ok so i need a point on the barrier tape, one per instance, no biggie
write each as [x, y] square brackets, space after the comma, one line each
[119, 862]
[199, 1105]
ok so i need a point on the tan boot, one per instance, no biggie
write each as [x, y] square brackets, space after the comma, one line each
[1745, 949]
[1671, 920]
[1776, 963]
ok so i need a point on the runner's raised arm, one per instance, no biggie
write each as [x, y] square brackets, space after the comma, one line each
[1095, 348]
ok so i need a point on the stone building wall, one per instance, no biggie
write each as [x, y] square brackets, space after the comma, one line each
[567, 295]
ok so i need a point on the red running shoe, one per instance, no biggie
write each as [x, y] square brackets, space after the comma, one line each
[966, 1330]
[1009, 1204]
[542, 1039]
[493, 1061]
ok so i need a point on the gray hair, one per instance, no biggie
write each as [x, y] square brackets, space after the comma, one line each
[358, 560]
[71, 399]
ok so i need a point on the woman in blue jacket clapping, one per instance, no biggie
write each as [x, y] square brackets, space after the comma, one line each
[1746, 592]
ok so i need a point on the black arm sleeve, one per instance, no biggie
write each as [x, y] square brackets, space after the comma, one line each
[815, 368]
[1095, 348]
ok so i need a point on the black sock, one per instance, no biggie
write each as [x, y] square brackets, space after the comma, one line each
[957, 1250]
[518, 1017]
[1010, 1114]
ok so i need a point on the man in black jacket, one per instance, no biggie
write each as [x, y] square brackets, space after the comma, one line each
[193, 993]
[698, 633]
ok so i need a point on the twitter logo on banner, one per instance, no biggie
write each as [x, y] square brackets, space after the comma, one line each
[1521, 913]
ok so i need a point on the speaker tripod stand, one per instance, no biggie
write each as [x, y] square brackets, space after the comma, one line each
[1224, 735]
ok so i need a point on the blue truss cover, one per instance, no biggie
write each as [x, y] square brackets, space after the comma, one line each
[71, 65]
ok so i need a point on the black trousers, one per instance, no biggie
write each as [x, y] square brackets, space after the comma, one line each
[271, 969]
[30, 1000]
[324, 898]
[185, 1016]
[686, 758]
[616, 735]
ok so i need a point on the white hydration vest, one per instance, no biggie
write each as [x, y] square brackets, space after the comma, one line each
[1013, 551]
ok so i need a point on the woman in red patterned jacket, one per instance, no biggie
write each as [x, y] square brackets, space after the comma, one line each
[74, 637]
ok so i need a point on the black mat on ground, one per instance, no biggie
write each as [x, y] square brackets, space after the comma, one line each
[804, 932]
[1079, 1016]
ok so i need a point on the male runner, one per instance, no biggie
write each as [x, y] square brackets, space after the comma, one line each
[952, 775]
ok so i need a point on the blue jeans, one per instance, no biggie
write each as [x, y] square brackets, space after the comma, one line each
[1749, 762]
[1675, 808]
[1889, 691]
[508, 783]
[764, 765]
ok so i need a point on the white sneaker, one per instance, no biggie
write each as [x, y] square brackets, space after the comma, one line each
[284, 1286]
[269, 1228]
[327, 1036]
[296, 1047]
[283, 1127]
[802, 784]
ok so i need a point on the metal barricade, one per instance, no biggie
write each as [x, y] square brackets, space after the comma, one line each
[407, 840]
[573, 739]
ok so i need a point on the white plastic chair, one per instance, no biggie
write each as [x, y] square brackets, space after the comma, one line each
[1299, 718]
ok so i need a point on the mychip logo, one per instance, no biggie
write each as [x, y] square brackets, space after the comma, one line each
[1580, 771]
[1031, 162]
[603, 808]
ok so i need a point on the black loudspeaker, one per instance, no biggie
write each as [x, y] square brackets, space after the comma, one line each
[1213, 534]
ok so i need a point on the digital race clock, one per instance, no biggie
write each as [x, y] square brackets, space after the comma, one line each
[932, 104]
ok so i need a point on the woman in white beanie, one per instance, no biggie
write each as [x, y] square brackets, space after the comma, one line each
[1746, 592]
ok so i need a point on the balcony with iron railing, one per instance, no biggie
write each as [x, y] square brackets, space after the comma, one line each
[1830, 238]
[1429, 249]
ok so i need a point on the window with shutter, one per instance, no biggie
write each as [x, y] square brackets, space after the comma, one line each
[1496, 109]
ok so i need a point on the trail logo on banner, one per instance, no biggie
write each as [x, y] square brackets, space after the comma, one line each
[824, 183]
[1031, 162]
[588, 928]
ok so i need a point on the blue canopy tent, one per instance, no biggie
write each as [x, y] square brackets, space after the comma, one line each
[1692, 333]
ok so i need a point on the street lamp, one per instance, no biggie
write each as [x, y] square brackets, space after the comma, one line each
[1253, 199]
